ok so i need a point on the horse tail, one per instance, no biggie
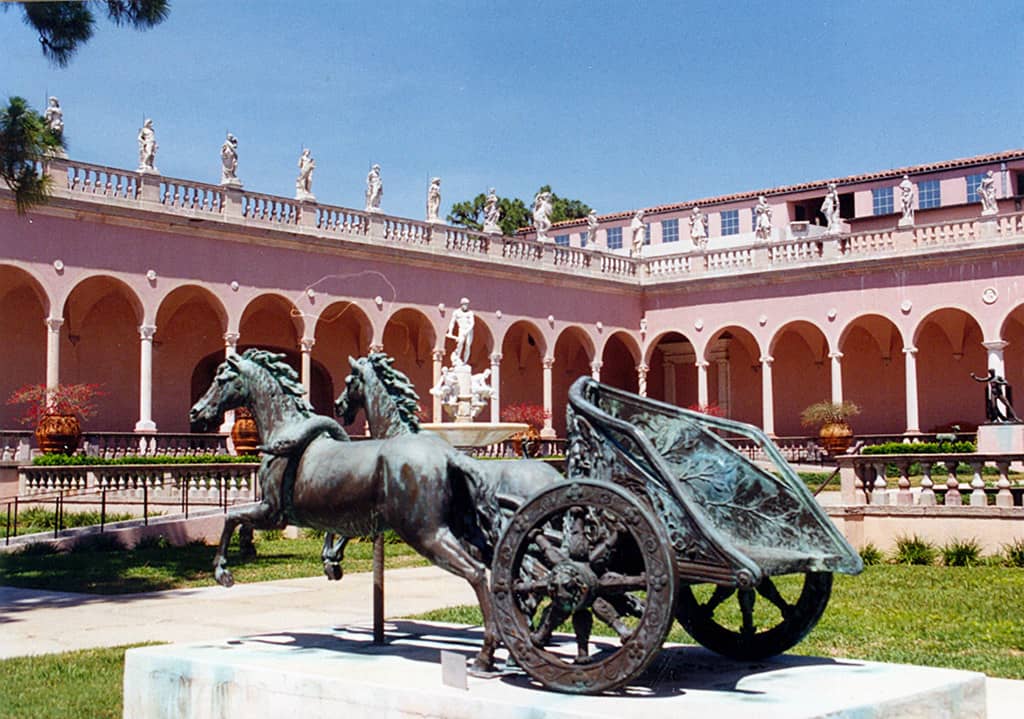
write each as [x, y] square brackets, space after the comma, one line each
[482, 493]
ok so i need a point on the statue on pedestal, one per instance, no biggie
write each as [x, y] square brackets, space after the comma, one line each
[229, 162]
[762, 220]
[906, 188]
[463, 319]
[147, 147]
[592, 224]
[54, 119]
[637, 231]
[998, 398]
[374, 189]
[304, 182]
[987, 195]
[492, 214]
[698, 228]
[434, 200]
[830, 209]
[542, 215]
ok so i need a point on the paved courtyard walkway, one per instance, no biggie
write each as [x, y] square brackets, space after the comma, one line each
[40, 622]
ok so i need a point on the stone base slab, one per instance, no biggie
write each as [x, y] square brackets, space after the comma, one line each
[340, 673]
[1001, 439]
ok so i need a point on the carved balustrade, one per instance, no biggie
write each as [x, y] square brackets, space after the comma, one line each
[466, 242]
[106, 182]
[409, 232]
[128, 444]
[130, 481]
[270, 209]
[191, 196]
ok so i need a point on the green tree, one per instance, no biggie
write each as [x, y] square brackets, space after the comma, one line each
[64, 27]
[515, 213]
[25, 143]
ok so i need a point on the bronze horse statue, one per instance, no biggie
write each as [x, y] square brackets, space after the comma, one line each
[433, 496]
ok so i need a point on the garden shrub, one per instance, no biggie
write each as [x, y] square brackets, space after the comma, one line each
[42, 519]
[962, 447]
[961, 553]
[39, 549]
[1014, 553]
[55, 460]
[871, 555]
[914, 550]
[271, 535]
[102, 542]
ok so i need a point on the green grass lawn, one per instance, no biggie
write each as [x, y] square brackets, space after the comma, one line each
[148, 569]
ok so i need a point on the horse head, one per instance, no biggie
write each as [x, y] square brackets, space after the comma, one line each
[228, 391]
[354, 396]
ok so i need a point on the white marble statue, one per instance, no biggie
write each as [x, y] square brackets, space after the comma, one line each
[374, 189]
[447, 388]
[434, 200]
[542, 215]
[592, 223]
[830, 209]
[762, 220]
[463, 319]
[304, 182]
[482, 391]
[229, 162]
[492, 214]
[906, 188]
[54, 119]
[147, 147]
[636, 230]
[987, 195]
[698, 228]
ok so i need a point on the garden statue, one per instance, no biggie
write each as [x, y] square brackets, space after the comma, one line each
[762, 220]
[830, 209]
[987, 195]
[463, 320]
[492, 214]
[998, 398]
[542, 215]
[304, 182]
[434, 200]
[698, 228]
[906, 188]
[637, 230]
[592, 224]
[147, 148]
[374, 189]
[229, 162]
[54, 119]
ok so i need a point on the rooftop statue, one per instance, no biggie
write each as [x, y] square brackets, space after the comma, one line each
[147, 147]
[637, 231]
[830, 209]
[542, 215]
[374, 189]
[906, 188]
[229, 162]
[492, 214]
[462, 320]
[304, 182]
[762, 220]
[434, 200]
[592, 224]
[987, 195]
[54, 119]
[698, 228]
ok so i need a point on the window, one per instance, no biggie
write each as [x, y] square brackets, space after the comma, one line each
[647, 233]
[731, 222]
[614, 238]
[973, 182]
[583, 239]
[881, 201]
[928, 194]
[670, 230]
[562, 240]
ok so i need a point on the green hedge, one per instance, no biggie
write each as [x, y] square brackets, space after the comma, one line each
[52, 460]
[921, 448]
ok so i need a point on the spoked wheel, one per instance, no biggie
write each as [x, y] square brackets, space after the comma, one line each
[576, 553]
[751, 624]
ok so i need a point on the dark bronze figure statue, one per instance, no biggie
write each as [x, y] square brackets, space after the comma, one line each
[998, 398]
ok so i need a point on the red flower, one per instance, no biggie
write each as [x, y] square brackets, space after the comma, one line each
[531, 414]
[64, 399]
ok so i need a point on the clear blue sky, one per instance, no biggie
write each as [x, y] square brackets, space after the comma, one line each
[621, 105]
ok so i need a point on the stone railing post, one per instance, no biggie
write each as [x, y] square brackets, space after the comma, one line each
[375, 222]
[149, 187]
[927, 496]
[232, 201]
[978, 498]
[1003, 497]
[307, 213]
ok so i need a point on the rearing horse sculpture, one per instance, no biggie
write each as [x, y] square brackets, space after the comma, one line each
[429, 493]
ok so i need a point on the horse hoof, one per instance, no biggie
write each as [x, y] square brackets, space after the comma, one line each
[223, 577]
[333, 571]
[484, 670]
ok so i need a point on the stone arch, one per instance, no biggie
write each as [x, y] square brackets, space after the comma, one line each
[271, 321]
[410, 337]
[190, 324]
[619, 359]
[874, 373]
[733, 355]
[573, 353]
[341, 330]
[801, 373]
[24, 307]
[522, 370]
[100, 344]
[949, 349]
[673, 374]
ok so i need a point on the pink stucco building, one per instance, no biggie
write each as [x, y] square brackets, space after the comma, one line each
[142, 283]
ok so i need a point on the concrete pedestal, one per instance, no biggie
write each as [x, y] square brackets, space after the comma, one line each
[340, 673]
[1001, 439]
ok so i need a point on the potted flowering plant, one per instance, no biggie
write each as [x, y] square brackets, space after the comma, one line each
[57, 413]
[533, 415]
[835, 433]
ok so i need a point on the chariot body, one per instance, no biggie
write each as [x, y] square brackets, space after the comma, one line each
[659, 519]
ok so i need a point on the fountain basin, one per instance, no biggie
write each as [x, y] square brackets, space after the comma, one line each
[474, 434]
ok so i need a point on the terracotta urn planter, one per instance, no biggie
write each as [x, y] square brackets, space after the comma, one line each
[244, 432]
[58, 433]
[835, 437]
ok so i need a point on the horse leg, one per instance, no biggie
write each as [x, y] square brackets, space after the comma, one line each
[444, 550]
[332, 554]
[262, 516]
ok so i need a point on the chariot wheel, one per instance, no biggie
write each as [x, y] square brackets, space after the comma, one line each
[575, 553]
[757, 622]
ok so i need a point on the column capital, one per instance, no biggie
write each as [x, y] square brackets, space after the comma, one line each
[231, 339]
[437, 355]
[702, 364]
[995, 344]
[306, 343]
[549, 362]
[835, 355]
[644, 368]
[767, 359]
[596, 365]
[146, 332]
[376, 347]
[910, 351]
[53, 324]
[496, 358]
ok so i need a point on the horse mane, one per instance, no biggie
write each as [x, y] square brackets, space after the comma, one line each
[399, 388]
[283, 373]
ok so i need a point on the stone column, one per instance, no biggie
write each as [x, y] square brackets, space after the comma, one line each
[306, 346]
[669, 371]
[767, 396]
[595, 370]
[230, 348]
[702, 383]
[436, 411]
[53, 325]
[995, 356]
[837, 376]
[641, 379]
[145, 423]
[496, 387]
[549, 431]
[910, 357]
